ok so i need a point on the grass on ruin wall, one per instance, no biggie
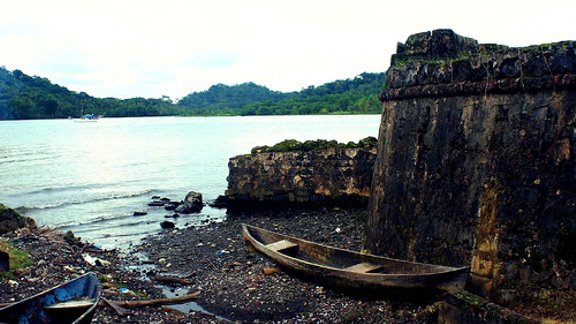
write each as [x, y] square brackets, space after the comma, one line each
[292, 145]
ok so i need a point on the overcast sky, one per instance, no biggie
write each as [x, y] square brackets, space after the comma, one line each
[145, 48]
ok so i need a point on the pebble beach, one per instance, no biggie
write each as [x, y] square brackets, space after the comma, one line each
[234, 283]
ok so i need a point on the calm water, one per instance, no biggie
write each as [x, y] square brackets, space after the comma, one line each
[91, 177]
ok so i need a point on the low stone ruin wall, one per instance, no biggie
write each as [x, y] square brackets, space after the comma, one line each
[332, 175]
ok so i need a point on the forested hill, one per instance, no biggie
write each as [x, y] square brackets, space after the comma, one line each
[26, 97]
[358, 95]
[221, 97]
[32, 97]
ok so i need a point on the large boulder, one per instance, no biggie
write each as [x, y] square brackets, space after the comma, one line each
[192, 203]
[11, 220]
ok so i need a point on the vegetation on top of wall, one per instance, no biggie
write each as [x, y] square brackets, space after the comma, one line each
[401, 60]
[292, 145]
[483, 51]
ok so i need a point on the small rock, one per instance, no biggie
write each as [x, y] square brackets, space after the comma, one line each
[170, 206]
[269, 270]
[222, 253]
[167, 224]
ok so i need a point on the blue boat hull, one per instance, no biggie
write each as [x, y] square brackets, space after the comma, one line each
[35, 309]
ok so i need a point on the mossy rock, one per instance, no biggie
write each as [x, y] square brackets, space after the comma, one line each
[11, 220]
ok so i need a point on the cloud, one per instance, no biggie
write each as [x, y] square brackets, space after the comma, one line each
[142, 48]
[211, 59]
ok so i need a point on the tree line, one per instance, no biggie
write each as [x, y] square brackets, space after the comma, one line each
[32, 97]
[351, 96]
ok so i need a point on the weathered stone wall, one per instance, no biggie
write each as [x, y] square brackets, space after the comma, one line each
[476, 161]
[327, 176]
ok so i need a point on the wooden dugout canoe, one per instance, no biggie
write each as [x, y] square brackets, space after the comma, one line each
[352, 270]
[74, 301]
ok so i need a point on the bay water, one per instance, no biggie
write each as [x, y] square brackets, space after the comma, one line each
[90, 177]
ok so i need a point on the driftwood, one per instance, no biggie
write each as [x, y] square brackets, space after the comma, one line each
[121, 311]
[212, 264]
[159, 301]
[173, 279]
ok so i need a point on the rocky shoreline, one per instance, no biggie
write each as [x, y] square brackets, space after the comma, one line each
[55, 257]
[241, 285]
[234, 283]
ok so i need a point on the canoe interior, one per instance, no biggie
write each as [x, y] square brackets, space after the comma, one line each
[83, 293]
[342, 259]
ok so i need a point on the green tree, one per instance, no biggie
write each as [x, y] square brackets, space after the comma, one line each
[50, 107]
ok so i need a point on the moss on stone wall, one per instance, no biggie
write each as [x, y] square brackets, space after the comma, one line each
[292, 145]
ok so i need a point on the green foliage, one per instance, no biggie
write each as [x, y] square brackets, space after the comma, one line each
[221, 97]
[351, 96]
[19, 259]
[26, 97]
[401, 60]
